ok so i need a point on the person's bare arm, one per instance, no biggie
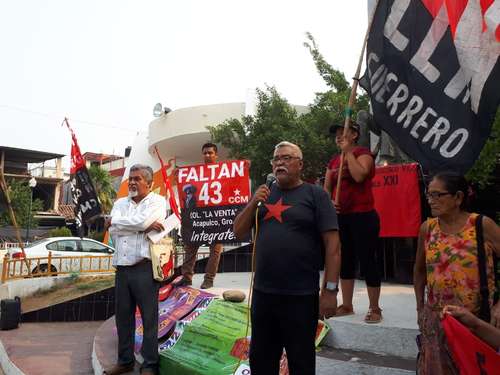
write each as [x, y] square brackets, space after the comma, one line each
[360, 167]
[327, 185]
[244, 220]
[419, 270]
[492, 238]
[483, 330]
[328, 299]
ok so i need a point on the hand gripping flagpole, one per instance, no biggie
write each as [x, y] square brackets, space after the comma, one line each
[352, 98]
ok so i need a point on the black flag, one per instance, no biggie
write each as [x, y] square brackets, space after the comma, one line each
[433, 75]
[85, 199]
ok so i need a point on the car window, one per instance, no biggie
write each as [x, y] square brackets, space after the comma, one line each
[67, 245]
[52, 246]
[94, 247]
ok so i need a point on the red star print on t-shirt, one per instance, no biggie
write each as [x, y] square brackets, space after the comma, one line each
[275, 210]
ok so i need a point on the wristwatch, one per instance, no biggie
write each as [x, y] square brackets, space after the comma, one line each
[332, 286]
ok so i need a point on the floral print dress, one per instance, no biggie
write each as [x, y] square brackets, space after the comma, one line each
[452, 267]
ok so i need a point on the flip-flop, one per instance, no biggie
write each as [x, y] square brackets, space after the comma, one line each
[373, 316]
[344, 310]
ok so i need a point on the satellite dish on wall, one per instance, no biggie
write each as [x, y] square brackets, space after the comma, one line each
[157, 110]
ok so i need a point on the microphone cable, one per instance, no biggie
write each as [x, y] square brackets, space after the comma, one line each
[252, 275]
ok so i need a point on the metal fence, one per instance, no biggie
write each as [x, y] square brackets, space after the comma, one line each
[8, 245]
[19, 268]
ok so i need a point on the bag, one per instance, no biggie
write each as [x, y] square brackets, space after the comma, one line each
[10, 310]
[162, 258]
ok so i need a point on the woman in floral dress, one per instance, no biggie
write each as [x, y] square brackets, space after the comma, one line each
[446, 265]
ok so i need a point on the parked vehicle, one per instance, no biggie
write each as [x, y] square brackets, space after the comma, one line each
[64, 247]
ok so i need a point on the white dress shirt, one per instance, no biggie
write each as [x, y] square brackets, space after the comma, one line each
[129, 220]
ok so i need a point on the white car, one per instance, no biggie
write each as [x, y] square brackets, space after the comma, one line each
[64, 247]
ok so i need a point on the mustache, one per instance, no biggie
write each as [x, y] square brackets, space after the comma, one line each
[281, 169]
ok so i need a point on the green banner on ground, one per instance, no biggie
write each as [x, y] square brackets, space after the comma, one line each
[213, 343]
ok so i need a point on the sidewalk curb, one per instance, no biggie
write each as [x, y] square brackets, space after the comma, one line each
[7, 365]
[96, 365]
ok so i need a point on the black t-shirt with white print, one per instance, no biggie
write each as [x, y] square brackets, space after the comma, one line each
[289, 248]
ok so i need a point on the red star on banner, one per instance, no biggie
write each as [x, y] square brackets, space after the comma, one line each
[275, 210]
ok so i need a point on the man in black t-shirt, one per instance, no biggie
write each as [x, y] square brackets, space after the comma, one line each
[297, 232]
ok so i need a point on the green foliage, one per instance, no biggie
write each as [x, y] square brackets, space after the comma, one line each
[98, 236]
[103, 185]
[254, 137]
[482, 171]
[20, 196]
[60, 232]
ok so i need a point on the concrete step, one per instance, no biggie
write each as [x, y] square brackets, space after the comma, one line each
[326, 366]
[394, 336]
[338, 361]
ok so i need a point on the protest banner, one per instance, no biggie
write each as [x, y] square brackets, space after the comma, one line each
[397, 200]
[210, 197]
[212, 340]
[432, 74]
[179, 304]
[212, 343]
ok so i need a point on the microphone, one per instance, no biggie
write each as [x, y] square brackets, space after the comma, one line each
[270, 180]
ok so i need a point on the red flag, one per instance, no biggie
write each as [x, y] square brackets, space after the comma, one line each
[168, 186]
[397, 200]
[471, 355]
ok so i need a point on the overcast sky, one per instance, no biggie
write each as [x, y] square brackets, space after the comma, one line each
[105, 64]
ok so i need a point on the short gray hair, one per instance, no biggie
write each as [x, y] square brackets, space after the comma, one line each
[146, 170]
[289, 144]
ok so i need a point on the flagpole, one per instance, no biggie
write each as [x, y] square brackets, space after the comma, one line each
[3, 187]
[352, 98]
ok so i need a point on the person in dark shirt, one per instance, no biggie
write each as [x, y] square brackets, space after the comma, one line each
[296, 235]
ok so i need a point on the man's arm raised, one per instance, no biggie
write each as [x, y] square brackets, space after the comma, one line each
[244, 221]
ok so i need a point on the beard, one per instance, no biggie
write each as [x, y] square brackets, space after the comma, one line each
[132, 193]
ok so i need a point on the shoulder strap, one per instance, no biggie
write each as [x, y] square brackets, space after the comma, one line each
[484, 312]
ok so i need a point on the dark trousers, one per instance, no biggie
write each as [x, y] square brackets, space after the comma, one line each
[135, 286]
[283, 322]
[190, 252]
[359, 242]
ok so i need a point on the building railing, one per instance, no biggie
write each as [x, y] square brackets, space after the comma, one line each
[20, 268]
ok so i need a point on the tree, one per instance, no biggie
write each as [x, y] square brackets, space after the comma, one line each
[20, 196]
[254, 137]
[103, 186]
[482, 172]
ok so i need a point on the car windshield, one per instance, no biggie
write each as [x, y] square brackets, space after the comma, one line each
[37, 242]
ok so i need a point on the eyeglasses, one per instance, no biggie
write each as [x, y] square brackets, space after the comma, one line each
[284, 158]
[436, 194]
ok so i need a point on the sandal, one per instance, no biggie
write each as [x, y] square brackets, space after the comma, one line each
[344, 310]
[374, 315]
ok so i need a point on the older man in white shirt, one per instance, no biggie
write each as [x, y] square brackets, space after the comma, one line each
[131, 219]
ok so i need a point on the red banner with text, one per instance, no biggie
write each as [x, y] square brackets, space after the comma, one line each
[397, 200]
[210, 196]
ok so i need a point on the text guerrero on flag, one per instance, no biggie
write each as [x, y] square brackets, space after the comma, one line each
[433, 75]
[210, 196]
[84, 196]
